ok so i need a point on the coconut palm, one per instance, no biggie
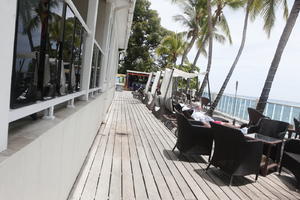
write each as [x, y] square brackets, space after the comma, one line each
[220, 34]
[218, 16]
[172, 46]
[244, 34]
[277, 57]
[194, 11]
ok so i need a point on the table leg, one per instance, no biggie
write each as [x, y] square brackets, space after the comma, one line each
[264, 171]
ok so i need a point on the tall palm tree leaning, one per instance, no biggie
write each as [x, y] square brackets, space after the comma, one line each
[276, 60]
[219, 18]
[216, 101]
[210, 40]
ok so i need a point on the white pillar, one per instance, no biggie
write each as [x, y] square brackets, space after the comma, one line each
[8, 10]
[89, 44]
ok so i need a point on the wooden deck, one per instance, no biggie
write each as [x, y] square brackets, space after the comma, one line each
[131, 158]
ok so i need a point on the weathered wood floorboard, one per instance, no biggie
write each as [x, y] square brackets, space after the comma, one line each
[131, 159]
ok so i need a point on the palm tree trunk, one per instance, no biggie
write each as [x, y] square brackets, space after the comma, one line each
[216, 101]
[276, 60]
[188, 48]
[196, 59]
[210, 48]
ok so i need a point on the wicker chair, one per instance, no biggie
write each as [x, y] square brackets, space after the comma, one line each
[254, 117]
[233, 153]
[192, 139]
[297, 128]
[205, 102]
[271, 128]
[291, 158]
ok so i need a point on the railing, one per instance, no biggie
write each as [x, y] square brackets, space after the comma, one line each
[237, 108]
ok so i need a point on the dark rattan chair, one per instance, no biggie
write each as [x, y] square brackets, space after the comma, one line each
[192, 139]
[297, 128]
[291, 158]
[271, 128]
[233, 153]
[254, 117]
[205, 102]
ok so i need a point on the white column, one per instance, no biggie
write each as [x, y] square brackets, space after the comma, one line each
[8, 10]
[88, 49]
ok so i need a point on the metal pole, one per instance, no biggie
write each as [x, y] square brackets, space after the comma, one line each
[208, 85]
[236, 88]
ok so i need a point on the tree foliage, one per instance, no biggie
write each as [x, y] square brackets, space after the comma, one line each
[146, 35]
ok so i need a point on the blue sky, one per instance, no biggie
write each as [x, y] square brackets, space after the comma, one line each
[255, 61]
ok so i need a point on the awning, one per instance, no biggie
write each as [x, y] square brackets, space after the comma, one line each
[185, 75]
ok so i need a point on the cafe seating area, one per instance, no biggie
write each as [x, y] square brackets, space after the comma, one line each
[238, 149]
[133, 157]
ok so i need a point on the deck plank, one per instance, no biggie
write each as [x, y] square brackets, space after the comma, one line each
[131, 159]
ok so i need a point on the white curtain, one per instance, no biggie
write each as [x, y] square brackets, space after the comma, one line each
[148, 83]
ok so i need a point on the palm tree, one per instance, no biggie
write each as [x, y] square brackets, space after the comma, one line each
[221, 26]
[277, 57]
[218, 16]
[171, 47]
[193, 12]
[244, 34]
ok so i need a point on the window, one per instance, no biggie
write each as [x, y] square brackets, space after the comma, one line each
[26, 54]
[98, 69]
[95, 69]
[48, 52]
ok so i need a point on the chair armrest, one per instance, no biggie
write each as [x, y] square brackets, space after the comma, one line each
[194, 122]
[292, 146]
[253, 129]
[281, 134]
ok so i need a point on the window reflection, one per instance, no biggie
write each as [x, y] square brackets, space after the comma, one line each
[98, 69]
[68, 85]
[28, 37]
[48, 51]
[93, 68]
[54, 41]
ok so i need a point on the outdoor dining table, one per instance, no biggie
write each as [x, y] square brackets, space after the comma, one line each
[269, 141]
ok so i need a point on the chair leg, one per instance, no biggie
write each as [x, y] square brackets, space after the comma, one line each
[231, 179]
[256, 177]
[279, 170]
[207, 167]
[174, 147]
[209, 157]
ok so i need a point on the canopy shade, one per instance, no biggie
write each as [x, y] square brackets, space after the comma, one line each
[185, 75]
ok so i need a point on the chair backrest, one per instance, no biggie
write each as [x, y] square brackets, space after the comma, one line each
[272, 128]
[183, 126]
[228, 142]
[204, 101]
[297, 127]
[177, 107]
[254, 116]
[188, 113]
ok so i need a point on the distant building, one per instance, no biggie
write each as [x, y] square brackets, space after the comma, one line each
[59, 61]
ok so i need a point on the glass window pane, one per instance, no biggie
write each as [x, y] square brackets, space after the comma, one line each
[27, 45]
[54, 41]
[98, 69]
[68, 84]
[93, 68]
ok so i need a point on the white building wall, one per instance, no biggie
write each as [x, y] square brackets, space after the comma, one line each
[44, 157]
[7, 35]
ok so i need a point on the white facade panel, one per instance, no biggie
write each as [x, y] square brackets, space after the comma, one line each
[40, 159]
